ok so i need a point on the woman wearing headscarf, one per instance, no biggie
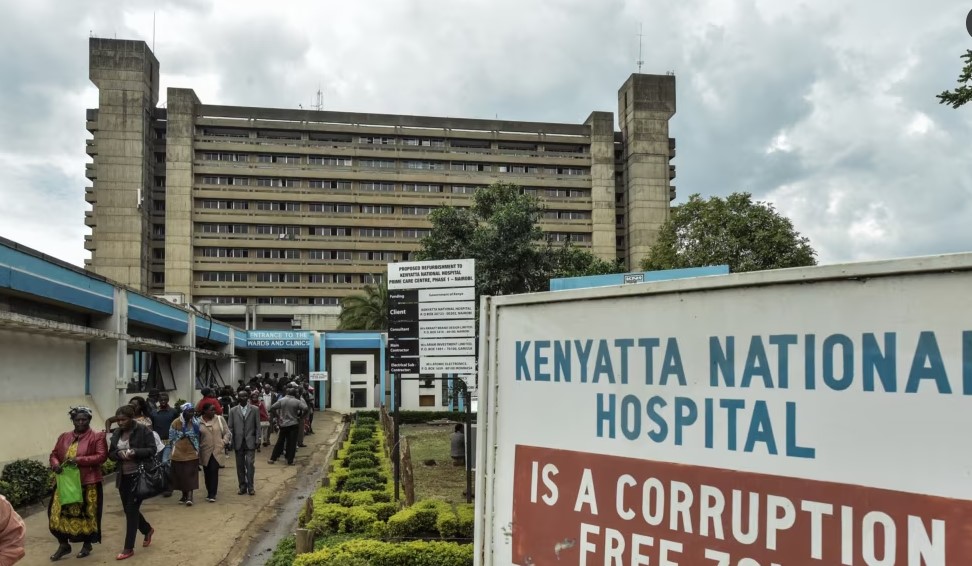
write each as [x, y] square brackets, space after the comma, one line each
[78, 522]
[131, 444]
[214, 437]
[184, 436]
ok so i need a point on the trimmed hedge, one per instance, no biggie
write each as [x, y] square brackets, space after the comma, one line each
[433, 519]
[378, 553]
[24, 482]
[419, 417]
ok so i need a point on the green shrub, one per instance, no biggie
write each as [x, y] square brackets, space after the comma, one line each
[356, 450]
[285, 552]
[372, 473]
[382, 496]
[418, 417]
[466, 514]
[333, 519]
[384, 510]
[108, 467]
[359, 484]
[378, 553]
[418, 521]
[351, 499]
[362, 460]
[29, 481]
[362, 434]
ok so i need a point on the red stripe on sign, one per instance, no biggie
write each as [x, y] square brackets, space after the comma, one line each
[580, 508]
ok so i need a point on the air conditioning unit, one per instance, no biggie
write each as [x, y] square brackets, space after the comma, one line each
[174, 298]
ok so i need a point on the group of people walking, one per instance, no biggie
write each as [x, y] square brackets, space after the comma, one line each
[188, 438]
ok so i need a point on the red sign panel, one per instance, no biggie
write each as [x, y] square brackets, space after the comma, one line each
[580, 508]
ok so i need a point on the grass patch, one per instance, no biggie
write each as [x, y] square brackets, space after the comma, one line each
[443, 481]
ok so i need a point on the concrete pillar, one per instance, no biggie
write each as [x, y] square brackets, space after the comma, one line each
[109, 359]
[127, 76]
[184, 366]
[645, 105]
[604, 232]
[179, 154]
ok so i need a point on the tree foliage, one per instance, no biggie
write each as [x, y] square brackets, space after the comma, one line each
[962, 93]
[746, 235]
[501, 231]
[367, 310]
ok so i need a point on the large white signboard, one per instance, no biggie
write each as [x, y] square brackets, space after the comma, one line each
[432, 274]
[803, 422]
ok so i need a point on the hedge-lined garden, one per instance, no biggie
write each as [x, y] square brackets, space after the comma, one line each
[355, 520]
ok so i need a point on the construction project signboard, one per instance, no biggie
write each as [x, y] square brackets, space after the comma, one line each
[812, 416]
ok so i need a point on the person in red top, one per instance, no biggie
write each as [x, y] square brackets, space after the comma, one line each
[209, 397]
[78, 522]
[256, 399]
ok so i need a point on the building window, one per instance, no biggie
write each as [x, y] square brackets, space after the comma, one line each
[376, 232]
[476, 167]
[330, 231]
[377, 209]
[330, 161]
[426, 165]
[158, 278]
[326, 301]
[278, 301]
[567, 215]
[415, 233]
[377, 163]
[158, 253]
[336, 255]
[568, 237]
[277, 253]
[277, 182]
[377, 256]
[421, 188]
[158, 230]
[464, 189]
[423, 142]
[375, 186]
[278, 277]
[369, 279]
[359, 368]
[219, 156]
[227, 300]
[269, 158]
[278, 230]
[223, 276]
[224, 252]
[160, 182]
[339, 185]
[376, 140]
[158, 205]
[319, 278]
[331, 207]
[566, 193]
[225, 204]
[278, 206]
[416, 210]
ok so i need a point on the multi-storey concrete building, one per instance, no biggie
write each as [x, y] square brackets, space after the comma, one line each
[271, 213]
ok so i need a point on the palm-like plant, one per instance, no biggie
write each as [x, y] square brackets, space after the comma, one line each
[367, 310]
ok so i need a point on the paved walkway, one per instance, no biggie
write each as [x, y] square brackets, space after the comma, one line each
[205, 534]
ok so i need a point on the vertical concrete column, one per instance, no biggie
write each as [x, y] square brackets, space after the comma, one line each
[109, 358]
[184, 365]
[179, 155]
[645, 105]
[604, 232]
[127, 76]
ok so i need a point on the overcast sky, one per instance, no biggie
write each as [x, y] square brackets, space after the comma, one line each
[825, 108]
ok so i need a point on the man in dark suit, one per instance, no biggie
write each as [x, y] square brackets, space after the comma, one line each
[244, 424]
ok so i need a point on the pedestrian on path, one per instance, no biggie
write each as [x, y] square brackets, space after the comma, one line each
[269, 397]
[13, 534]
[78, 522]
[214, 441]
[244, 425]
[289, 409]
[184, 436]
[131, 444]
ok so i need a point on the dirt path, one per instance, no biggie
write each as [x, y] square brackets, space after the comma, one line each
[205, 534]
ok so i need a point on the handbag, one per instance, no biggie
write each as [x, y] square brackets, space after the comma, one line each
[151, 480]
[69, 485]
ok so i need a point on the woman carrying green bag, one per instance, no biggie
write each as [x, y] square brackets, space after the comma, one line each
[78, 453]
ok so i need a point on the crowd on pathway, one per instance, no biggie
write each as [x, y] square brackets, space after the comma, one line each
[149, 434]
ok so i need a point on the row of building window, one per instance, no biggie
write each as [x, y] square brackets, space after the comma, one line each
[287, 253]
[412, 164]
[287, 277]
[321, 301]
[407, 141]
[281, 230]
[386, 187]
[342, 208]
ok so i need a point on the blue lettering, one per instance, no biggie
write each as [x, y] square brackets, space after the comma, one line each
[604, 365]
[630, 405]
[522, 368]
[562, 361]
[654, 405]
[967, 362]
[928, 364]
[847, 358]
[709, 423]
[649, 345]
[684, 418]
[783, 343]
[756, 364]
[673, 363]
[809, 361]
[583, 355]
[722, 361]
[605, 414]
[872, 359]
[792, 450]
[760, 429]
[623, 344]
[539, 360]
[732, 407]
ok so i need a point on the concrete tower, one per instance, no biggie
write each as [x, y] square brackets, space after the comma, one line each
[127, 76]
[645, 105]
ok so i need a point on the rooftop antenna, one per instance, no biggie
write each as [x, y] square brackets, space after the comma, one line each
[640, 60]
[319, 105]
